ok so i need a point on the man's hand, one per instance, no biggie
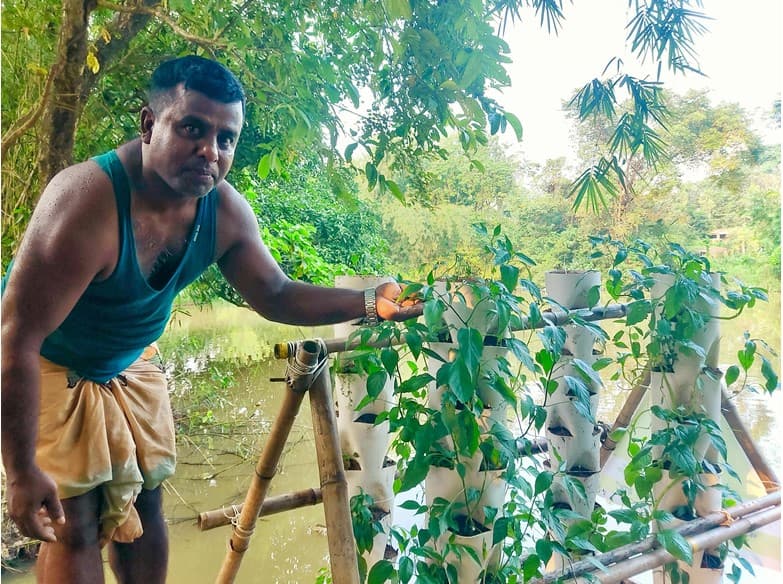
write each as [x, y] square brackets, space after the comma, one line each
[33, 504]
[390, 306]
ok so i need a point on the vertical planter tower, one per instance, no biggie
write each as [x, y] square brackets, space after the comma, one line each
[364, 443]
[687, 380]
[467, 484]
[572, 434]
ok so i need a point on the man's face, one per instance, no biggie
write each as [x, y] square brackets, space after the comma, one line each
[190, 140]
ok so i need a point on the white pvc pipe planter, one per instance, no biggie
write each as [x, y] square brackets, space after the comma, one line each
[694, 384]
[572, 436]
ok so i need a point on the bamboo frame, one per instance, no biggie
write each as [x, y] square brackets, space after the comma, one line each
[706, 540]
[309, 374]
[767, 508]
[264, 472]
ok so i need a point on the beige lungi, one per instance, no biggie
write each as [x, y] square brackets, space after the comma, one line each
[116, 436]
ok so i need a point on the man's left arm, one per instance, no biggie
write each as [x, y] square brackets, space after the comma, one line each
[248, 265]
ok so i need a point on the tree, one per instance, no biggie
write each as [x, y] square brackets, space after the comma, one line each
[423, 70]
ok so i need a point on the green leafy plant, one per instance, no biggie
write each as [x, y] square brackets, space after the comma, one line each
[445, 375]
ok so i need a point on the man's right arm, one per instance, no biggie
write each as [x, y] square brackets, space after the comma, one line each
[67, 244]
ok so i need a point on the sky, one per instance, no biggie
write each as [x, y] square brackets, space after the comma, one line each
[740, 55]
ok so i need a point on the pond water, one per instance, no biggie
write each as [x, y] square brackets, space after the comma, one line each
[223, 356]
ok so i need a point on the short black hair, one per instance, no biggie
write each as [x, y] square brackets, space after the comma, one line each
[198, 74]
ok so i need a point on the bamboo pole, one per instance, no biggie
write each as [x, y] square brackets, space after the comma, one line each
[548, 318]
[629, 408]
[218, 517]
[334, 485]
[768, 477]
[266, 467]
[706, 540]
[701, 525]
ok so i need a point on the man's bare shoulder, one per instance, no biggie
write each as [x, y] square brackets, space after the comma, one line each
[76, 213]
[82, 184]
[236, 222]
[233, 207]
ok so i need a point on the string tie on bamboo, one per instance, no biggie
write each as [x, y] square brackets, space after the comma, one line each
[299, 375]
[235, 511]
[241, 535]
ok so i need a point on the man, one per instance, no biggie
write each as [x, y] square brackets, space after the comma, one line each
[85, 414]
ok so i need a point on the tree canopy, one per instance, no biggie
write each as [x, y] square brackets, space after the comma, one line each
[407, 72]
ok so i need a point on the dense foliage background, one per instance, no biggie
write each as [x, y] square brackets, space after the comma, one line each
[371, 141]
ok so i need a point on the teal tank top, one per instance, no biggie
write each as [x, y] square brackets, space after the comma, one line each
[117, 318]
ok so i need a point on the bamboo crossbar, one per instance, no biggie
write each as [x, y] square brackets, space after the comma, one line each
[702, 541]
[219, 517]
[548, 318]
[225, 515]
[763, 510]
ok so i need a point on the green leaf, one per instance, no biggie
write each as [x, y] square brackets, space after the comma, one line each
[676, 545]
[389, 358]
[509, 275]
[637, 311]
[500, 530]
[515, 124]
[732, 373]
[531, 567]
[472, 70]
[545, 359]
[349, 150]
[588, 373]
[405, 569]
[372, 175]
[543, 482]
[461, 381]
[521, 351]
[398, 8]
[593, 296]
[581, 396]
[380, 572]
[770, 377]
[264, 165]
[414, 473]
[396, 190]
[471, 345]
[414, 342]
[544, 549]
[376, 382]
[618, 434]
[414, 383]
[433, 314]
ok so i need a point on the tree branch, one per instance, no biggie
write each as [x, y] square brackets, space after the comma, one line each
[24, 123]
[122, 30]
[164, 18]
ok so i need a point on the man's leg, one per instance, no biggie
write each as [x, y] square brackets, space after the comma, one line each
[146, 559]
[76, 556]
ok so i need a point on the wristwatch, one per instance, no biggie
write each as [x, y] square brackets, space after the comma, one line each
[370, 313]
